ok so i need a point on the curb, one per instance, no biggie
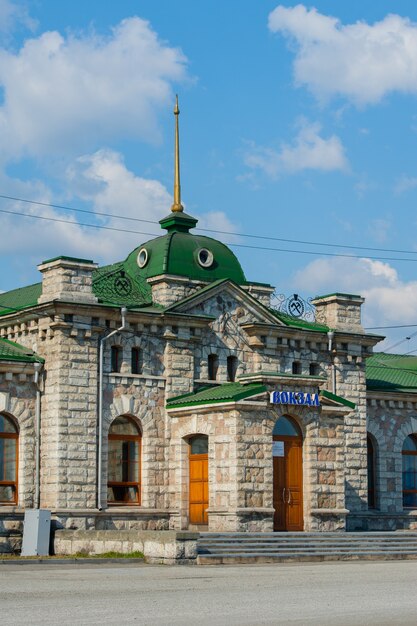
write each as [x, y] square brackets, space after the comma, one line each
[70, 561]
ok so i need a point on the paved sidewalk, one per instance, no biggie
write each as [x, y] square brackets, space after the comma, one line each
[324, 594]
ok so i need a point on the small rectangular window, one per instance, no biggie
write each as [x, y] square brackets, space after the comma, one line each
[137, 361]
[231, 368]
[116, 358]
[296, 367]
[213, 366]
[314, 369]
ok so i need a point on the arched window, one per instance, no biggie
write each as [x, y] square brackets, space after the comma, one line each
[409, 454]
[116, 358]
[123, 485]
[371, 472]
[231, 368]
[285, 426]
[136, 361]
[8, 460]
[213, 366]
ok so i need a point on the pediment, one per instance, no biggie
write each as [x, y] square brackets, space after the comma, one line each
[223, 299]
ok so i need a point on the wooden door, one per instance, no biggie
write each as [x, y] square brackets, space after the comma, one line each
[288, 483]
[198, 489]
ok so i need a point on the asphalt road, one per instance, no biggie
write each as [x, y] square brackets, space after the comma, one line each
[343, 593]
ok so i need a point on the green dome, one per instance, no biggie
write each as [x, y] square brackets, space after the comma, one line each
[183, 254]
[177, 253]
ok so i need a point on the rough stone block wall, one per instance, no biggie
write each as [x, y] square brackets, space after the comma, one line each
[68, 280]
[389, 423]
[351, 384]
[69, 417]
[168, 290]
[17, 400]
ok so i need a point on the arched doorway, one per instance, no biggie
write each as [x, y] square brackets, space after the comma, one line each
[198, 486]
[287, 451]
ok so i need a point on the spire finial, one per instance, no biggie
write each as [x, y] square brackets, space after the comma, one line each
[177, 206]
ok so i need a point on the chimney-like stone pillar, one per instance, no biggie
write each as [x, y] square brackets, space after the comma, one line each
[168, 289]
[67, 279]
[340, 311]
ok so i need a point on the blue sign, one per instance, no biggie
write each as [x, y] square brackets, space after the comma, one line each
[294, 397]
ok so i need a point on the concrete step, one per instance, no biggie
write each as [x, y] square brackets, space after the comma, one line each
[283, 542]
[303, 546]
[317, 535]
[307, 550]
[283, 547]
[232, 559]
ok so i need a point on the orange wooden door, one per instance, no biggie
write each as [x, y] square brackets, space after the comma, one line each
[288, 484]
[294, 486]
[198, 489]
[279, 493]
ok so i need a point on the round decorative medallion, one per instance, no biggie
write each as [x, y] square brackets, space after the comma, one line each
[122, 285]
[295, 306]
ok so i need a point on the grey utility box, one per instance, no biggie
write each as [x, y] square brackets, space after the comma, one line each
[36, 532]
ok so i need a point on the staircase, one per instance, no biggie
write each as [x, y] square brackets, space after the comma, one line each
[233, 548]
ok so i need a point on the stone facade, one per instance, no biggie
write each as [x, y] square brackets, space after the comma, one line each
[175, 344]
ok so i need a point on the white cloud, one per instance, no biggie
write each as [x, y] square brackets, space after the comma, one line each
[308, 151]
[405, 183]
[64, 94]
[388, 299]
[13, 15]
[362, 62]
[103, 181]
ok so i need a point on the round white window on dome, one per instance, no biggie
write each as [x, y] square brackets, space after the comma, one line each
[143, 257]
[205, 257]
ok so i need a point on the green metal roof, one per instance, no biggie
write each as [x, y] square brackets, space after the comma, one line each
[18, 299]
[337, 293]
[332, 396]
[120, 284]
[294, 322]
[68, 258]
[391, 372]
[177, 253]
[229, 392]
[11, 351]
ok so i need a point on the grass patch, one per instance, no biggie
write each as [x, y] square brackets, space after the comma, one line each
[110, 555]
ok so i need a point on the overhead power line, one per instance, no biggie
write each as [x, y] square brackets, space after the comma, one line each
[210, 230]
[231, 244]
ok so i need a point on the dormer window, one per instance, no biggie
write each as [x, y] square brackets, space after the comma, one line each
[143, 257]
[205, 257]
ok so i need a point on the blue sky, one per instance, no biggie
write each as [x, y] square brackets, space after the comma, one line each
[298, 122]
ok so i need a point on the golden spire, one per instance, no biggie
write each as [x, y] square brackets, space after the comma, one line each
[177, 206]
